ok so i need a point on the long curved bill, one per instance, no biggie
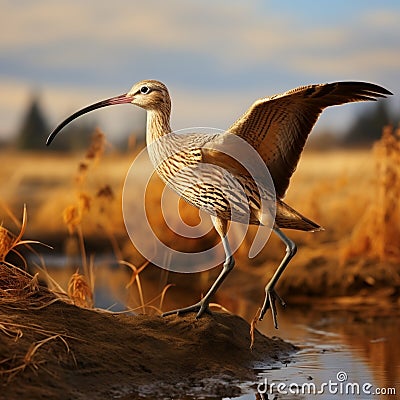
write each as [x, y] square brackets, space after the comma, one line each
[122, 99]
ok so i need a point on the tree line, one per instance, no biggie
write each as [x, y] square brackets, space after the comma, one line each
[34, 129]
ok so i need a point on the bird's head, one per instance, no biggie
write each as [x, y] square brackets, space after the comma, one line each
[149, 94]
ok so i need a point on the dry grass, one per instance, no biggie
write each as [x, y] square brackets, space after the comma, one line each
[377, 233]
[9, 242]
[79, 291]
[21, 291]
[336, 198]
[97, 202]
[342, 190]
[74, 214]
[18, 288]
[253, 327]
[9, 368]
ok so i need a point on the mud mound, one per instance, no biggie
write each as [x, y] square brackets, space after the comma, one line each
[63, 352]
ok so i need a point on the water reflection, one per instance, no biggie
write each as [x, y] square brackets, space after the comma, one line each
[361, 342]
[335, 341]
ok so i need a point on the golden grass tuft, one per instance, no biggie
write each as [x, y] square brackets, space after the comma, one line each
[9, 242]
[19, 290]
[79, 291]
[72, 218]
[17, 287]
[97, 146]
[377, 234]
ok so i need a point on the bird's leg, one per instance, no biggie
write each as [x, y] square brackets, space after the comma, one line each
[203, 305]
[270, 294]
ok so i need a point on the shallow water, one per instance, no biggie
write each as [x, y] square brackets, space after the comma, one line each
[344, 352]
[341, 356]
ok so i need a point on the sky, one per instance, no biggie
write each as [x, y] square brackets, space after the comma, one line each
[215, 56]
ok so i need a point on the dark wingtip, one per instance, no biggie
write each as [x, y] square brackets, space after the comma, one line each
[385, 91]
[377, 90]
[368, 89]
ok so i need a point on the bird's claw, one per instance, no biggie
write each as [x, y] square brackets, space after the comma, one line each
[269, 302]
[201, 307]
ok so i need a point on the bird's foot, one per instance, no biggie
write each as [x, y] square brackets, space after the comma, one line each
[201, 307]
[269, 302]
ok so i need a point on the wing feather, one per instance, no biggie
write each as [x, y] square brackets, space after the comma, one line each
[278, 126]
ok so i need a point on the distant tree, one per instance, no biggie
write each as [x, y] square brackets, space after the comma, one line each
[367, 128]
[34, 129]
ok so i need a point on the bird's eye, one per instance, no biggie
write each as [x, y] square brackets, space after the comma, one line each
[144, 90]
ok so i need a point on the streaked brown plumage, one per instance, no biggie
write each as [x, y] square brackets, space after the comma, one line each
[277, 127]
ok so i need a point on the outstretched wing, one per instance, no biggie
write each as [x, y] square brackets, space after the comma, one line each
[278, 126]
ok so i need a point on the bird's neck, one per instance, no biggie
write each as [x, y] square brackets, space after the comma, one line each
[157, 124]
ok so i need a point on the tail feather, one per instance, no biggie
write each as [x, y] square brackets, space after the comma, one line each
[289, 218]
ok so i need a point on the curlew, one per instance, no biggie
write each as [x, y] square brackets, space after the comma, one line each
[277, 127]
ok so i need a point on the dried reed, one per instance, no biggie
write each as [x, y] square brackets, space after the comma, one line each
[80, 288]
[19, 290]
[253, 327]
[96, 201]
[29, 359]
[79, 291]
[9, 242]
[149, 304]
[377, 234]
[135, 278]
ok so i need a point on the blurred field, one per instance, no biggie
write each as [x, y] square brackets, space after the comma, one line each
[351, 193]
[46, 183]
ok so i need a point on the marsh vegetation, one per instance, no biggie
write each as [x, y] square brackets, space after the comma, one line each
[73, 205]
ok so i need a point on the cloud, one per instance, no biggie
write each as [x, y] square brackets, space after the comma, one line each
[68, 34]
[384, 18]
[220, 56]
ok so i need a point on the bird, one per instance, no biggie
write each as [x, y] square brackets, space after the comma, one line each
[276, 127]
